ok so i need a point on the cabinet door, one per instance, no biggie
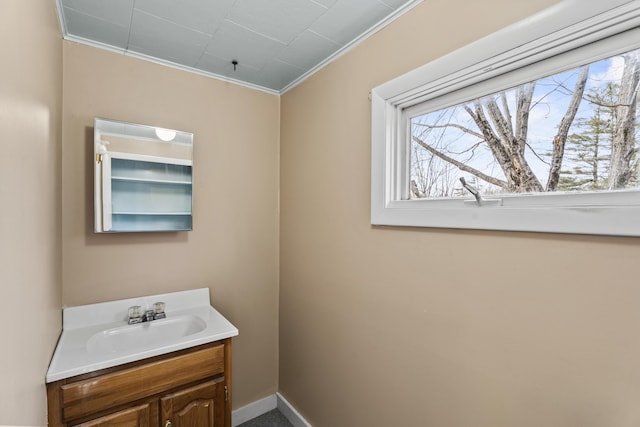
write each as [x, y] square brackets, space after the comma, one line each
[202, 405]
[139, 416]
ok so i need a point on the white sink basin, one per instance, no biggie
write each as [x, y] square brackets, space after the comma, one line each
[96, 336]
[143, 335]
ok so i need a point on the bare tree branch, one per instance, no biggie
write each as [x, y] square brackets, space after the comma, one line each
[536, 154]
[461, 165]
[497, 148]
[499, 121]
[451, 125]
[472, 149]
[524, 95]
[507, 113]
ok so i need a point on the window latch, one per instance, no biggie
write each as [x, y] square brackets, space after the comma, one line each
[479, 200]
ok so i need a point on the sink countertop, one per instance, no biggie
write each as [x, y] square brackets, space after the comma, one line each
[80, 323]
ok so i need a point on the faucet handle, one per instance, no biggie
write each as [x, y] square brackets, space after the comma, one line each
[135, 314]
[158, 309]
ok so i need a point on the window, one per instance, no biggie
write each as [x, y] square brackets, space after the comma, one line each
[533, 128]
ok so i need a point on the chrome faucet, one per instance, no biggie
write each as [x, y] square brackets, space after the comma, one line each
[137, 315]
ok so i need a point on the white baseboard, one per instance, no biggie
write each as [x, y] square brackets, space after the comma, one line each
[253, 410]
[262, 406]
[291, 413]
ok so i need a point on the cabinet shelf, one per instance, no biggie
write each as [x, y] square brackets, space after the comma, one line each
[151, 221]
[152, 213]
[145, 196]
[150, 180]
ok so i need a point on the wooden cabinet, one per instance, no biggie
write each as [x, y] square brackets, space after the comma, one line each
[141, 415]
[200, 405]
[186, 388]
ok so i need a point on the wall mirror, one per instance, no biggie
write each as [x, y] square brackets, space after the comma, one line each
[143, 178]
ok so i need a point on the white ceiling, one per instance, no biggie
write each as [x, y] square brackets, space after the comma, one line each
[276, 43]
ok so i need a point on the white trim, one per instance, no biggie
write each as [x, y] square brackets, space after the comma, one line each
[291, 413]
[346, 48]
[105, 194]
[63, 23]
[93, 43]
[98, 196]
[269, 403]
[253, 410]
[353, 43]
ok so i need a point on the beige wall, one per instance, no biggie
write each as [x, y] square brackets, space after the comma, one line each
[426, 327]
[378, 327]
[30, 286]
[233, 248]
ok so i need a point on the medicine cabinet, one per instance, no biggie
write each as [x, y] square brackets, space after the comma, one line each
[143, 178]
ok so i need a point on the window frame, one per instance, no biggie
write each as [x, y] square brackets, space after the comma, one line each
[561, 37]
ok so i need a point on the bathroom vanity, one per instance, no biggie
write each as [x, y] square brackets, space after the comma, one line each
[171, 372]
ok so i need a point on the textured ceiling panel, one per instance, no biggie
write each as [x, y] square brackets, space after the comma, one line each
[307, 50]
[234, 42]
[281, 20]
[199, 15]
[92, 28]
[117, 12]
[349, 18]
[166, 40]
[278, 74]
[275, 42]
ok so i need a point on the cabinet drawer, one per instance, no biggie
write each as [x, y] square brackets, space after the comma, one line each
[94, 394]
[142, 415]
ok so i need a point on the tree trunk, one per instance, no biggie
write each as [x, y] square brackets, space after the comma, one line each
[528, 181]
[507, 144]
[560, 139]
[622, 166]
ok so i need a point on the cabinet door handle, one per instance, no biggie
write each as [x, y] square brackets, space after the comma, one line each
[168, 424]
